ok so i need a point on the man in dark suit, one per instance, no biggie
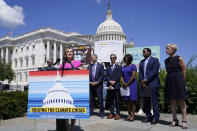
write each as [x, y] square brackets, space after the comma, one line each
[50, 66]
[113, 84]
[148, 75]
[96, 71]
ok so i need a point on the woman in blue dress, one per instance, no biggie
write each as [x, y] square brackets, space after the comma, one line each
[128, 79]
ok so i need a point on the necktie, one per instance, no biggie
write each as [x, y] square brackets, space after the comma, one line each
[112, 68]
[93, 72]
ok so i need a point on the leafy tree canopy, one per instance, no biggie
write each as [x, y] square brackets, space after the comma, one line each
[6, 71]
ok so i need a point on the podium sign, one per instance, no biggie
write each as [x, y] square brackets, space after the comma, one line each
[54, 97]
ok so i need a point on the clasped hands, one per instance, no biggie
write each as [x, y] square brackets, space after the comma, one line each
[112, 83]
[143, 84]
[94, 83]
[125, 85]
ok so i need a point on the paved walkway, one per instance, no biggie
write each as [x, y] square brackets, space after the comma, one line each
[95, 123]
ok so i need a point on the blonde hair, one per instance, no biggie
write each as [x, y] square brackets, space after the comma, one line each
[172, 46]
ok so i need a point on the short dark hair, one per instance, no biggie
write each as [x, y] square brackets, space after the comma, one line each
[129, 57]
[95, 55]
[148, 49]
[113, 55]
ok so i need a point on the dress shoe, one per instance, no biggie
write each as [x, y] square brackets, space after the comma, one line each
[147, 120]
[117, 117]
[154, 122]
[110, 116]
[132, 118]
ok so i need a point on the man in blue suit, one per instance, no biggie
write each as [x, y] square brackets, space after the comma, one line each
[148, 75]
[96, 74]
[113, 83]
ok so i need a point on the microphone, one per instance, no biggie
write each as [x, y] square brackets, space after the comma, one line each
[57, 61]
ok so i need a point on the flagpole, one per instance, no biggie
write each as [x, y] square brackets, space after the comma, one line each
[11, 33]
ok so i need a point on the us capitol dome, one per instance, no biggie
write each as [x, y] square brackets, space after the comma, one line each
[110, 29]
[58, 96]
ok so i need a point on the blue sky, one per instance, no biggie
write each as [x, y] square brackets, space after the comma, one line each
[147, 22]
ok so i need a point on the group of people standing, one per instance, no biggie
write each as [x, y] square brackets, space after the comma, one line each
[175, 88]
[116, 75]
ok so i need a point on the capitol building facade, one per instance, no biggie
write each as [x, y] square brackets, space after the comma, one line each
[30, 51]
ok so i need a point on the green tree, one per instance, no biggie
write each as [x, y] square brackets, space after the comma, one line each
[6, 71]
[189, 64]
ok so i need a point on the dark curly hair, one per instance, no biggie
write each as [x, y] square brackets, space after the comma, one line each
[129, 57]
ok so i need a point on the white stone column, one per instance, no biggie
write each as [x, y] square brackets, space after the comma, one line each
[43, 54]
[48, 49]
[54, 52]
[18, 63]
[6, 55]
[30, 61]
[2, 52]
[61, 53]
[13, 64]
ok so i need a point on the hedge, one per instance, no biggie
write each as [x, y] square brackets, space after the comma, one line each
[13, 104]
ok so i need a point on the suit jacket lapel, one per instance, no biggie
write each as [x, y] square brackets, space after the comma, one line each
[110, 70]
[97, 68]
[143, 65]
[90, 69]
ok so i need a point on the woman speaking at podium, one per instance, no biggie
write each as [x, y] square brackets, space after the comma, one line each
[70, 64]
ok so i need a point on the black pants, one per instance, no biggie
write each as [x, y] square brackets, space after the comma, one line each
[147, 104]
[96, 91]
[114, 95]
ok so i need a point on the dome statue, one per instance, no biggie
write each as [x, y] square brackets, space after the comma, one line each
[131, 44]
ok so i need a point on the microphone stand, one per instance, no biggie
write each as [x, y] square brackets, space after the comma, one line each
[62, 124]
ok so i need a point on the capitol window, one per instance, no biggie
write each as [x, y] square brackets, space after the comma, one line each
[15, 63]
[20, 78]
[16, 50]
[26, 77]
[27, 47]
[21, 63]
[33, 60]
[21, 49]
[33, 46]
[27, 61]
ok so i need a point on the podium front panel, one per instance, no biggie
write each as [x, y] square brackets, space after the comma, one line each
[53, 96]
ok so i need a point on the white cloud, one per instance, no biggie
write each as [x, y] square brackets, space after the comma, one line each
[98, 1]
[11, 17]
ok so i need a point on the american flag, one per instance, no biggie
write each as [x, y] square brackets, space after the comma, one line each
[10, 33]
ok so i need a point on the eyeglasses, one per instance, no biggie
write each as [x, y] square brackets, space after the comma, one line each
[113, 58]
